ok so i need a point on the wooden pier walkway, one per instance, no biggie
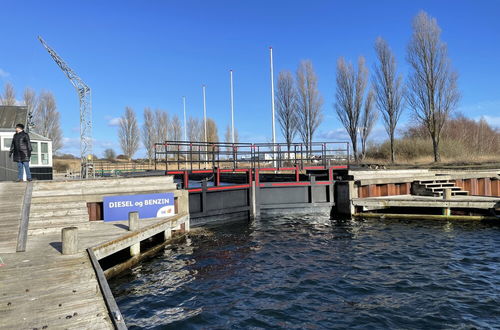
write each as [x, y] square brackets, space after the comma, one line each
[11, 196]
[471, 202]
[41, 288]
[475, 207]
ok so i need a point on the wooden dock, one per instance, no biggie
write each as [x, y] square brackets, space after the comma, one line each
[11, 196]
[43, 289]
[470, 202]
[489, 206]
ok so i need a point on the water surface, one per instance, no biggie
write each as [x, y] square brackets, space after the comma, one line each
[311, 272]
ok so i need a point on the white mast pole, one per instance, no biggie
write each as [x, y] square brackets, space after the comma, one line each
[185, 129]
[205, 123]
[205, 113]
[272, 103]
[185, 121]
[232, 104]
[272, 91]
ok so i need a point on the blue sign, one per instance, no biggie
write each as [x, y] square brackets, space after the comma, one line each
[117, 208]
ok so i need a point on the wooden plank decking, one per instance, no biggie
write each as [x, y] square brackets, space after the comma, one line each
[43, 289]
[11, 196]
[477, 202]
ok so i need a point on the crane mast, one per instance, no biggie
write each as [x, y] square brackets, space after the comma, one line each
[84, 96]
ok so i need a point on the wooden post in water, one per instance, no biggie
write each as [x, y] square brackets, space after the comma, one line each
[69, 238]
[447, 196]
[133, 225]
[168, 234]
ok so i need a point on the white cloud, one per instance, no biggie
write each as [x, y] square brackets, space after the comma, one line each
[102, 144]
[378, 134]
[3, 73]
[71, 146]
[491, 120]
[338, 134]
[113, 121]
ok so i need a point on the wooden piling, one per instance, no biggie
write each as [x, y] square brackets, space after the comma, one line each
[133, 225]
[167, 234]
[69, 238]
[447, 196]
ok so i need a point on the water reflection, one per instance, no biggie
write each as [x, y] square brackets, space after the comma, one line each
[313, 272]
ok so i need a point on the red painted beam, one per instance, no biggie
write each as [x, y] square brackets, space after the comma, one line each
[229, 187]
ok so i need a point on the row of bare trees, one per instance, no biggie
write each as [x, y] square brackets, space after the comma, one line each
[431, 90]
[354, 104]
[299, 104]
[158, 127]
[45, 118]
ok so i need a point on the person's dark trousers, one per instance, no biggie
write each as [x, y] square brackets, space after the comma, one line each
[21, 167]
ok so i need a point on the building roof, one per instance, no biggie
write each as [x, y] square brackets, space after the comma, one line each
[38, 137]
[10, 116]
[33, 135]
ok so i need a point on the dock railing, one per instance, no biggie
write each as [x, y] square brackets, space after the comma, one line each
[186, 155]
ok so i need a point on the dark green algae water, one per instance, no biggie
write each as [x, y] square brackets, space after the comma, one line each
[310, 272]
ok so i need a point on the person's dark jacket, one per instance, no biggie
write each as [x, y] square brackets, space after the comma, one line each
[21, 147]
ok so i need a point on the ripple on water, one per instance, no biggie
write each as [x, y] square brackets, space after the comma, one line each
[312, 272]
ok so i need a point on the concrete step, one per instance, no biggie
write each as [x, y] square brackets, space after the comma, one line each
[443, 188]
[160, 181]
[453, 193]
[63, 195]
[443, 184]
[55, 220]
[54, 212]
[35, 205]
[41, 229]
[433, 181]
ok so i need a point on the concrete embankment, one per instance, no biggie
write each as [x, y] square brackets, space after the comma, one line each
[469, 192]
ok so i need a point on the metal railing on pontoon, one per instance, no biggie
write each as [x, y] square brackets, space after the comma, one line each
[185, 155]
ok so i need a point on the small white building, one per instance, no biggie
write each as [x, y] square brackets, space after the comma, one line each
[41, 156]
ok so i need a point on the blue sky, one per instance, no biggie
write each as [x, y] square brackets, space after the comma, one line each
[151, 53]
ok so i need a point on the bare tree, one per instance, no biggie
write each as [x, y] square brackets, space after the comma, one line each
[194, 129]
[148, 133]
[109, 154]
[228, 137]
[309, 102]
[195, 132]
[128, 133]
[286, 104]
[432, 86]
[368, 119]
[212, 131]
[46, 120]
[31, 102]
[161, 126]
[349, 94]
[9, 95]
[175, 133]
[388, 88]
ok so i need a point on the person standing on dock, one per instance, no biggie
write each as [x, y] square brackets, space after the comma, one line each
[21, 149]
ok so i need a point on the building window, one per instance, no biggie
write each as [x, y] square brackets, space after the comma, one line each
[6, 143]
[44, 147]
[34, 153]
